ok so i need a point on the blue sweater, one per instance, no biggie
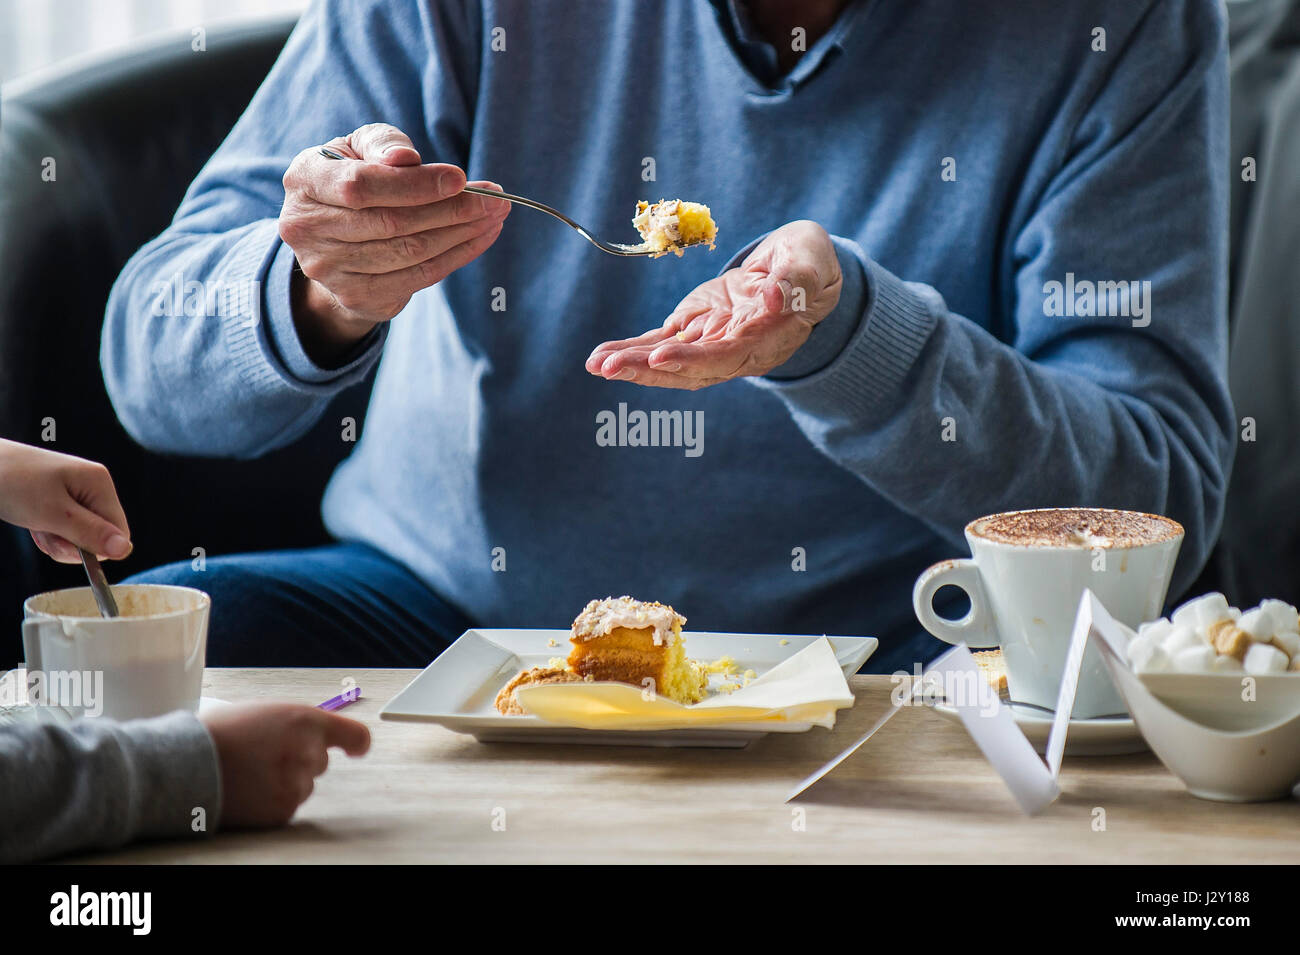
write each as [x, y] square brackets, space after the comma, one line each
[981, 174]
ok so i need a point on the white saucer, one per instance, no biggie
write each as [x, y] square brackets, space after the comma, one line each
[1106, 736]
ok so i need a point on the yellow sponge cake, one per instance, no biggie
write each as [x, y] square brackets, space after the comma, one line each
[670, 225]
[631, 641]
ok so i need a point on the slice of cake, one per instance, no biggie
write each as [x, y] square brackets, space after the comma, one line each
[631, 641]
[670, 225]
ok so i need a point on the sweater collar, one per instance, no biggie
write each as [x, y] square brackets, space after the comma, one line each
[758, 57]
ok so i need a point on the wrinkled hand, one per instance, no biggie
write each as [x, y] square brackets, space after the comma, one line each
[745, 322]
[65, 502]
[371, 230]
[270, 755]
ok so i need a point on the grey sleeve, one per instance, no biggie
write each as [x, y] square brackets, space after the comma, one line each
[96, 784]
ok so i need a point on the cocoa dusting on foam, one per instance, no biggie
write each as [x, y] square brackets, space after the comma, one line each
[1076, 527]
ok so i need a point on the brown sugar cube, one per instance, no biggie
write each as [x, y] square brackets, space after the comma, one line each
[1229, 639]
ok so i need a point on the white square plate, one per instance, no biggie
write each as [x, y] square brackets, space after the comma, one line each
[458, 689]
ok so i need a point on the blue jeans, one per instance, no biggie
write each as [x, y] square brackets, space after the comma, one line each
[343, 605]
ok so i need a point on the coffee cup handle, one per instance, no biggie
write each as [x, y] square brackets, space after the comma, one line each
[32, 644]
[32, 629]
[976, 628]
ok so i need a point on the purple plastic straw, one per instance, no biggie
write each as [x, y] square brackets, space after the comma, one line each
[340, 701]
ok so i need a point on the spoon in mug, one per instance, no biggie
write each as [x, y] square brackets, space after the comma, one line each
[98, 583]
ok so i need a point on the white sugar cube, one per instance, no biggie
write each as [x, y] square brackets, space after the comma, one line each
[1225, 664]
[1263, 658]
[1288, 643]
[1257, 622]
[1156, 630]
[1282, 614]
[1198, 659]
[1201, 612]
[1140, 649]
[1152, 660]
[1182, 637]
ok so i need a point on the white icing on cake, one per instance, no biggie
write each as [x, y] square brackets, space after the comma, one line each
[601, 616]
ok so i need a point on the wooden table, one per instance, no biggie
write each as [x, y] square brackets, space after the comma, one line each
[918, 792]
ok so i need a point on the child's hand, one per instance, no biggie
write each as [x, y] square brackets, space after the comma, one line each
[65, 502]
[270, 753]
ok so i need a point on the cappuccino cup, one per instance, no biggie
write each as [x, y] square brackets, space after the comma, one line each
[146, 662]
[1024, 578]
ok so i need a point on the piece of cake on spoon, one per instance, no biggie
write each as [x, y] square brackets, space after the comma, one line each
[671, 225]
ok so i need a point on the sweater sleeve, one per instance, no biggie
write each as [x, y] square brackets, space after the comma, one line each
[199, 350]
[96, 784]
[1121, 401]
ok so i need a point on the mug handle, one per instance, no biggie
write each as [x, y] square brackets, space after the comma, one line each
[32, 628]
[976, 628]
[32, 644]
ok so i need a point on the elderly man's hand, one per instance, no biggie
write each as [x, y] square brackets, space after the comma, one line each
[745, 322]
[372, 230]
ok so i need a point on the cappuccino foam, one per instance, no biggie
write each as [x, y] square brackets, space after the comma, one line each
[1076, 527]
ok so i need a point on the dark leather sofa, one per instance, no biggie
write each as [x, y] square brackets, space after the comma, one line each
[128, 134]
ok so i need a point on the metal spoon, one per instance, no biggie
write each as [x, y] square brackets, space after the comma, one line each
[613, 248]
[98, 584]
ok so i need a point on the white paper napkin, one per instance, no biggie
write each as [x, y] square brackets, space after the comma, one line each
[987, 720]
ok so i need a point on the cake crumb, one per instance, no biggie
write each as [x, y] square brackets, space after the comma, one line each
[724, 666]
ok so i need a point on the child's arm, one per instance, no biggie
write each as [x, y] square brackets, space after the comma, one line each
[96, 784]
[65, 502]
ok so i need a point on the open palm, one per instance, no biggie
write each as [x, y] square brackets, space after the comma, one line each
[745, 322]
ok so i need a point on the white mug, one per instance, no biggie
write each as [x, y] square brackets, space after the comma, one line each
[1024, 597]
[146, 662]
